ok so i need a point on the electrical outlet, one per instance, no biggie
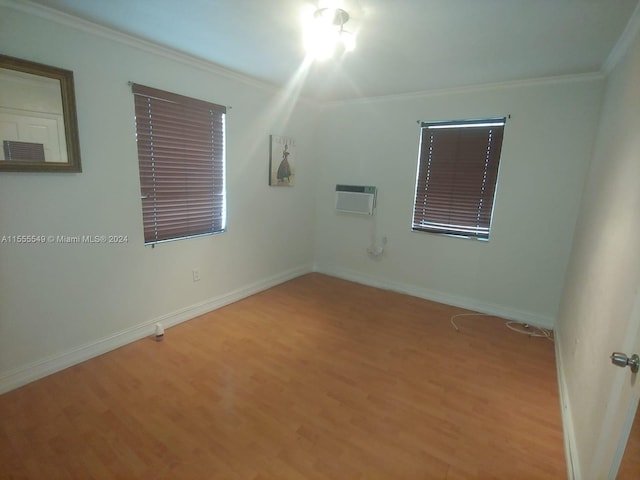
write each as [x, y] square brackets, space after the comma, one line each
[196, 275]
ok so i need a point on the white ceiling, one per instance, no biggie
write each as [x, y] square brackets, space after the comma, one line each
[403, 45]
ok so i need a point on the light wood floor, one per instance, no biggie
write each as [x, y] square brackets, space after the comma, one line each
[630, 465]
[317, 378]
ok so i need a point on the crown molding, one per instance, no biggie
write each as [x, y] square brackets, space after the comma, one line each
[48, 13]
[623, 44]
[530, 82]
[86, 26]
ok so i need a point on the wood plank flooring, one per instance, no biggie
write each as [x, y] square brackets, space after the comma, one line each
[317, 378]
[630, 465]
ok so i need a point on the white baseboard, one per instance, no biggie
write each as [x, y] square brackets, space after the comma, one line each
[22, 375]
[440, 297]
[33, 371]
[571, 454]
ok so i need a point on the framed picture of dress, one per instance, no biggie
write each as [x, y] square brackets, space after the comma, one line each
[282, 170]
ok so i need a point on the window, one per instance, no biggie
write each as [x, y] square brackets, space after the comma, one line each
[181, 155]
[457, 176]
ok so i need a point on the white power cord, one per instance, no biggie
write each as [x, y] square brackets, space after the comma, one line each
[518, 327]
[375, 250]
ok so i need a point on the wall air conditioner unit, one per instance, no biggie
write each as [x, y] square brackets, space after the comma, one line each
[355, 199]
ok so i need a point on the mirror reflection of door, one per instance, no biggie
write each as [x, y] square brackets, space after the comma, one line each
[31, 118]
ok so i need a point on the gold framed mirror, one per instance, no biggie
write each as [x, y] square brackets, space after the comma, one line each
[38, 121]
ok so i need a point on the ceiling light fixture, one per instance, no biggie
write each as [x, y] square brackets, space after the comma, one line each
[326, 33]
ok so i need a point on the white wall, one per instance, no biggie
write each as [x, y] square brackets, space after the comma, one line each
[62, 303]
[603, 279]
[519, 273]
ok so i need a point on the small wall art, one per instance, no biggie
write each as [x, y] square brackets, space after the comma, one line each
[282, 159]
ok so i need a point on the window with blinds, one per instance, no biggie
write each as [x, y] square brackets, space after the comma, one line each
[457, 177]
[181, 156]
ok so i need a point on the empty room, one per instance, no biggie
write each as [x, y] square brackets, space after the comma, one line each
[290, 239]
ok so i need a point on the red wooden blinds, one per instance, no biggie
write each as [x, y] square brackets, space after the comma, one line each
[181, 154]
[457, 176]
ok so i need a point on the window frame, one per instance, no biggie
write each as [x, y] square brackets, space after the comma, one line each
[181, 146]
[457, 177]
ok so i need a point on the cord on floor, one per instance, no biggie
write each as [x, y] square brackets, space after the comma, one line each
[518, 327]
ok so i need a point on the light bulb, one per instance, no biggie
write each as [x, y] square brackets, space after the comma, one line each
[321, 43]
[348, 40]
[321, 38]
[323, 33]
